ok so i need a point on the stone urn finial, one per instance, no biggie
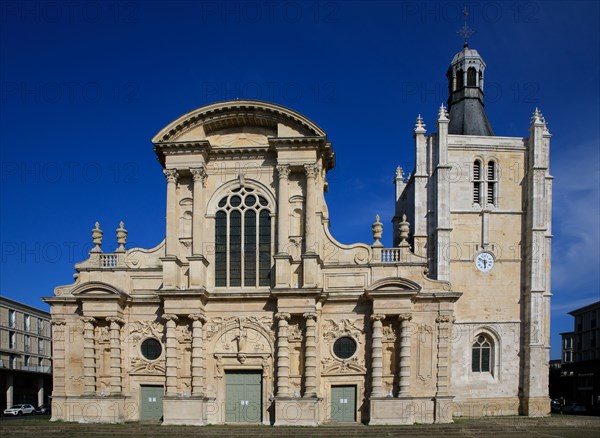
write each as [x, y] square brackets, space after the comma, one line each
[404, 229]
[377, 229]
[121, 237]
[97, 238]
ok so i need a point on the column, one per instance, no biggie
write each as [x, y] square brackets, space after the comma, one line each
[283, 359]
[310, 355]
[59, 334]
[115, 355]
[89, 356]
[377, 355]
[9, 390]
[171, 355]
[171, 238]
[197, 354]
[444, 325]
[199, 174]
[310, 217]
[283, 207]
[405, 356]
[40, 395]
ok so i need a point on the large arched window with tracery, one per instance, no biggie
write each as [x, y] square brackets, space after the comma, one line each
[243, 240]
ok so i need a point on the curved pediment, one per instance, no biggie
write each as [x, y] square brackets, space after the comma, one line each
[238, 123]
[394, 284]
[98, 289]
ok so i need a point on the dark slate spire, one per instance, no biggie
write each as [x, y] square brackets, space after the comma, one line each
[465, 94]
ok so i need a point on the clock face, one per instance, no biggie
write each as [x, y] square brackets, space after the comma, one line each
[484, 262]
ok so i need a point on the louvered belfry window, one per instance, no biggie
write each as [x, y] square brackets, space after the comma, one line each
[243, 240]
[491, 183]
[477, 182]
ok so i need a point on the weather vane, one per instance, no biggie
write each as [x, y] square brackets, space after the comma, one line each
[465, 31]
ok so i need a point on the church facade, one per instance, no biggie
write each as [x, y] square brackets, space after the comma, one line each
[251, 311]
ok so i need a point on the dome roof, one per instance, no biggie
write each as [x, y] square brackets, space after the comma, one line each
[466, 52]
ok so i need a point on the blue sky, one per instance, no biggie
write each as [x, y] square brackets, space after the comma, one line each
[86, 85]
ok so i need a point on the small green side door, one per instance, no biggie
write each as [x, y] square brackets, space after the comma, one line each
[343, 404]
[243, 397]
[151, 402]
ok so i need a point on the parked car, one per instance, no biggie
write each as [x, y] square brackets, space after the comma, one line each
[19, 410]
[574, 408]
[43, 410]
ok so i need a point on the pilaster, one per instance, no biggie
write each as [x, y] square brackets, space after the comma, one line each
[283, 359]
[197, 354]
[377, 355]
[89, 356]
[59, 332]
[404, 356]
[171, 355]
[283, 258]
[197, 261]
[116, 386]
[310, 355]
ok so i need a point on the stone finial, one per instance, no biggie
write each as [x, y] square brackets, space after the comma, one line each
[399, 173]
[97, 234]
[121, 237]
[404, 230]
[377, 229]
[537, 118]
[420, 126]
[443, 113]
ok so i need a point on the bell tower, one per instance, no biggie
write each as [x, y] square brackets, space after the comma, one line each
[465, 91]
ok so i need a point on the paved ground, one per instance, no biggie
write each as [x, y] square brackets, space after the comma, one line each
[514, 427]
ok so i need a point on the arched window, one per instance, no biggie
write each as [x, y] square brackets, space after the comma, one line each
[492, 180]
[459, 79]
[471, 77]
[481, 355]
[477, 182]
[243, 240]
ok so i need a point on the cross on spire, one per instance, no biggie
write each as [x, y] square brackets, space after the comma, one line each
[465, 31]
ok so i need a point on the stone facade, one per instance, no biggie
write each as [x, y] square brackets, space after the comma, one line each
[250, 310]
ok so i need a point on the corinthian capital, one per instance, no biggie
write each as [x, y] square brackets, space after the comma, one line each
[199, 174]
[171, 175]
[310, 315]
[405, 317]
[170, 317]
[197, 317]
[311, 170]
[88, 320]
[284, 171]
[282, 316]
[377, 317]
[115, 320]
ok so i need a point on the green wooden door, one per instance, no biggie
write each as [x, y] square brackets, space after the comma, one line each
[151, 406]
[243, 397]
[343, 403]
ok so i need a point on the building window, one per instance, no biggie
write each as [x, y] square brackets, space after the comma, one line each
[477, 182]
[568, 356]
[27, 323]
[13, 361]
[26, 361]
[151, 349]
[492, 182]
[40, 345]
[344, 348]
[27, 343]
[40, 326]
[471, 75]
[243, 240]
[12, 318]
[12, 339]
[481, 359]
